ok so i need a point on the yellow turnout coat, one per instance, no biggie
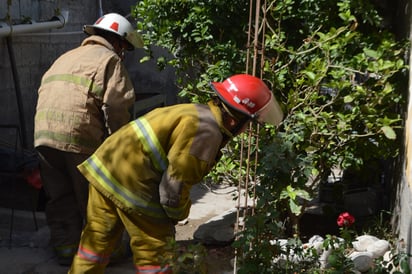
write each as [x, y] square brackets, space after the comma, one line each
[141, 177]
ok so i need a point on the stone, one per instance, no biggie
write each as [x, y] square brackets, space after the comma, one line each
[183, 222]
[362, 261]
[323, 259]
[217, 231]
[362, 242]
[315, 239]
[378, 248]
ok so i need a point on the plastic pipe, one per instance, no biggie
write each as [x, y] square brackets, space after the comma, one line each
[56, 22]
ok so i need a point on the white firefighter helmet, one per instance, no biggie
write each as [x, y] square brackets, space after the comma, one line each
[119, 25]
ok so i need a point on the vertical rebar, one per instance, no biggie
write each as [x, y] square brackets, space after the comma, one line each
[252, 140]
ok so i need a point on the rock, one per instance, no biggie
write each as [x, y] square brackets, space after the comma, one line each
[362, 242]
[323, 259]
[378, 248]
[318, 246]
[279, 242]
[315, 242]
[387, 256]
[183, 222]
[315, 239]
[362, 261]
[218, 230]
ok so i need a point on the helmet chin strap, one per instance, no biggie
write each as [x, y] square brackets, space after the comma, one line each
[238, 118]
[121, 54]
[120, 50]
[115, 40]
[239, 126]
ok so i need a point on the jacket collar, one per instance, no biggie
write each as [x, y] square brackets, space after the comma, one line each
[217, 113]
[96, 39]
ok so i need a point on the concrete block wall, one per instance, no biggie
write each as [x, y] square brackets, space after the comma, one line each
[33, 53]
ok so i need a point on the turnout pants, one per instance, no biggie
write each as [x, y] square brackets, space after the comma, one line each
[105, 224]
[66, 190]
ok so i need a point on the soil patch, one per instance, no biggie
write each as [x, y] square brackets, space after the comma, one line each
[219, 259]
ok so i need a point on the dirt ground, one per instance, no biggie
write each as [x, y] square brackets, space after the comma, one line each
[219, 259]
[207, 203]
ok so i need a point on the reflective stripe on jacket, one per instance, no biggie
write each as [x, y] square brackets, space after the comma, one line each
[174, 146]
[84, 96]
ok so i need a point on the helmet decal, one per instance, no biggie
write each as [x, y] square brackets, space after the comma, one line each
[250, 104]
[114, 26]
[99, 20]
[232, 86]
[236, 99]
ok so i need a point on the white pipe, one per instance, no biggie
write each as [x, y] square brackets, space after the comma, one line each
[10, 30]
[50, 33]
[100, 8]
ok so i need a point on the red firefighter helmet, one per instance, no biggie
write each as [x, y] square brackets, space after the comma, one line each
[250, 96]
[117, 24]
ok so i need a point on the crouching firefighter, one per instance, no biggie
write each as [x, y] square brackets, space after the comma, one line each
[141, 176]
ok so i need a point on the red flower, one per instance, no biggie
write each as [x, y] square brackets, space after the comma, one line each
[345, 219]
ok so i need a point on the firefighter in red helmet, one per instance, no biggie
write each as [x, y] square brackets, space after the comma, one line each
[141, 176]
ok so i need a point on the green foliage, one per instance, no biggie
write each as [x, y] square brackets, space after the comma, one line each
[341, 89]
[206, 39]
[398, 264]
[190, 259]
[338, 73]
[337, 261]
[332, 255]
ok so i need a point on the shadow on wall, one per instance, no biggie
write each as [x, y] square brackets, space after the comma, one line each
[148, 79]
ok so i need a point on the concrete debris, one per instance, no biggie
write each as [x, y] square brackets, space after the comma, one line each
[218, 230]
[366, 249]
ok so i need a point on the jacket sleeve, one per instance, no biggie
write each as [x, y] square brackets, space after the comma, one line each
[176, 183]
[118, 97]
[188, 164]
[174, 198]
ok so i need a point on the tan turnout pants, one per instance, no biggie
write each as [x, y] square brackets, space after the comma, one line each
[66, 190]
[103, 230]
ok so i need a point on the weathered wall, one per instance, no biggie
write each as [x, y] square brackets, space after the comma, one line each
[403, 202]
[402, 177]
[34, 52]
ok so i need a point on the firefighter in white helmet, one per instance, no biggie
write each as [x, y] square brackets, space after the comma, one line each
[84, 97]
[141, 176]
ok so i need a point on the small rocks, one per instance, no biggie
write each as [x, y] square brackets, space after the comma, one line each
[366, 248]
[183, 222]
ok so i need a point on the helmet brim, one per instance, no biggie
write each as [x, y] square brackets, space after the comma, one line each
[134, 40]
[89, 29]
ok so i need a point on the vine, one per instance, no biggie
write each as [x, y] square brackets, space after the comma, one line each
[338, 71]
